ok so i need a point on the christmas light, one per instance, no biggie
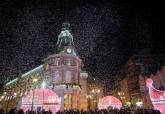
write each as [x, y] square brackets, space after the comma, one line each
[139, 103]
[35, 80]
[43, 85]
[156, 96]
[2, 97]
[32, 71]
[45, 98]
[107, 101]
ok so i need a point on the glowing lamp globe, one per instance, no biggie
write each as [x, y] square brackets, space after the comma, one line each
[149, 82]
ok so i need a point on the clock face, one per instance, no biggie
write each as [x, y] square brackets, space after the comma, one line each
[69, 50]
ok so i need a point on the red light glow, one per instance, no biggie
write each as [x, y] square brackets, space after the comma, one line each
[157, 97]
[41, 99]
[107, 101]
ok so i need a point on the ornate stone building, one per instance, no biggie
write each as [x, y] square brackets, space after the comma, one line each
[61, 72]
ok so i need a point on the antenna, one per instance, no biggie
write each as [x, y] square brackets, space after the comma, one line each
[66, 9]
[65, 26]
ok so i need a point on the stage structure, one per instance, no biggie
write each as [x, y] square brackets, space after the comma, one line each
[60, 73]
[157, 97]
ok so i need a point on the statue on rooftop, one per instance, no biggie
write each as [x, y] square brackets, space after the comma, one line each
[65, 38]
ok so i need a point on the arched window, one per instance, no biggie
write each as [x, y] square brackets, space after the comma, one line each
[57, 77]
[68, 76]
[57, 61]
[69, 62]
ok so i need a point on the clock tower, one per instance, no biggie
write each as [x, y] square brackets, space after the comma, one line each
[62, 71]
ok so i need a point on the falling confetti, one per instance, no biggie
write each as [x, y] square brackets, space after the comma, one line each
[105, 35]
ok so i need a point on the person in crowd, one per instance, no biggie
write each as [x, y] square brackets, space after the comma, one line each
[13, 111]
[89, 111]
[2, 111]
[20, 111]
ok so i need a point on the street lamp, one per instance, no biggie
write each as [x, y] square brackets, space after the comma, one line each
[121, 96]
[15, 94]
[34, 81]
[2, 97]
[96, 92]
[89, 97]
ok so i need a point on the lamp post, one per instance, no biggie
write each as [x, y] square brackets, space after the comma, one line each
[121, 96]
[43, 87]
[89, 97]
[96, 92]
[34, 81]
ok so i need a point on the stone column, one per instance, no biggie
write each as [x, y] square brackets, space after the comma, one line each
[19, 104]
[62, 103]
[60, 93]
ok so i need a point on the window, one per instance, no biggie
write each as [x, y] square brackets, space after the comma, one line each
[68, 76]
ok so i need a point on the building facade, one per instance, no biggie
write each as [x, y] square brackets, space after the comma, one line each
[95, 92]
[60, 72]
[133, 84]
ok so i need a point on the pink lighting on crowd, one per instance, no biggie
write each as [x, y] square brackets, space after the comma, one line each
[107, 101]
[157, 97]
[41, 99]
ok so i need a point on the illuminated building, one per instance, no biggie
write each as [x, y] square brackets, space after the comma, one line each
[95, 91]
[133, 76]
[60, 73]
[122, 92]
[128, 89]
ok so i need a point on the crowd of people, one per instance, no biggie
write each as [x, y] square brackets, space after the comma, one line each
[75, 111]
[111, 111]
[20, 111]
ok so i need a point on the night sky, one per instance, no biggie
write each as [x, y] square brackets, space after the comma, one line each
[106, 33]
